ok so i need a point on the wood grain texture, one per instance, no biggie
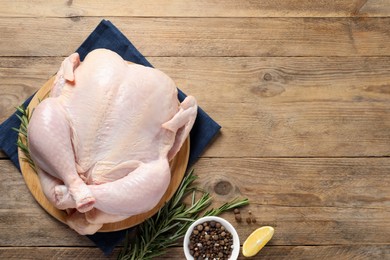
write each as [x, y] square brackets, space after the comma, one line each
[267, 106]
[23, 221]
[308, 201]
[300, 129]
[300, 87]
[305, 182]
[205, 36]
[200, 8]
[333, 252]
[20, 78]
[372, 8]
[58, 253]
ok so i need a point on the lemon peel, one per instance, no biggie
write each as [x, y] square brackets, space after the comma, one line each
[257, 240]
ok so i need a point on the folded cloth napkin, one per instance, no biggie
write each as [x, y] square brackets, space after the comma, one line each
[106, 35]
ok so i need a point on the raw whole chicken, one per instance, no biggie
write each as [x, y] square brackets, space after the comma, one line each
[103, 140]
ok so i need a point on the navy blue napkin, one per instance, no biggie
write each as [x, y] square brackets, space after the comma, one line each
[106, 35]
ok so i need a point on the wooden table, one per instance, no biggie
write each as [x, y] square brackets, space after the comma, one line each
[301, 89]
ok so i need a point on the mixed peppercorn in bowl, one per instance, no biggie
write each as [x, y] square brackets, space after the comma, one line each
[211, 238]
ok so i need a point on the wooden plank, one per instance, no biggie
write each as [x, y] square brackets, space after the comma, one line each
[299, 182]
[268, 107]
[200, 8]
[308, 201]
[332, 252]
[20, 78]
[372, 8]
[205, 36]
[54, 253]
[321, 129]
[24, 222]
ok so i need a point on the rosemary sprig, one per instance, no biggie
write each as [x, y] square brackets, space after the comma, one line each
[171, 222]
[24, 116]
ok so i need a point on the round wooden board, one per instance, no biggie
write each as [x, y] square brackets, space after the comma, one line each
[178, 168]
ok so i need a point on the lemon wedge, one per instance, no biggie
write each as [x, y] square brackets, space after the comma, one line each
[257, 240]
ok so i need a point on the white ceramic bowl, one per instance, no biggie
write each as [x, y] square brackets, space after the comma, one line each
[228, 227]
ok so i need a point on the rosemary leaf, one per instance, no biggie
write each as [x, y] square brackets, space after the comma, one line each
[17, 130]
[236, 203]
[21, 109]
[20, 117]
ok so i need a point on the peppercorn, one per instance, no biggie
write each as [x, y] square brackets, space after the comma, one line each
[237, 215]
[199, 227]
[252, 218]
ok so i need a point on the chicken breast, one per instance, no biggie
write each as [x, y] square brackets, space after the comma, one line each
[103, 140]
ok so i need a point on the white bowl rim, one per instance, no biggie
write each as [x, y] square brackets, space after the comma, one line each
[225, 223]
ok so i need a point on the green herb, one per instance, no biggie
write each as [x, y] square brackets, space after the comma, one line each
[24, 116]
[171, 222]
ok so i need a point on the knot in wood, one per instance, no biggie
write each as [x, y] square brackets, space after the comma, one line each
[267, 76]
[223, 187]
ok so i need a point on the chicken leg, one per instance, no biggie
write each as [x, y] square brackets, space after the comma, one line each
[50, 131]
